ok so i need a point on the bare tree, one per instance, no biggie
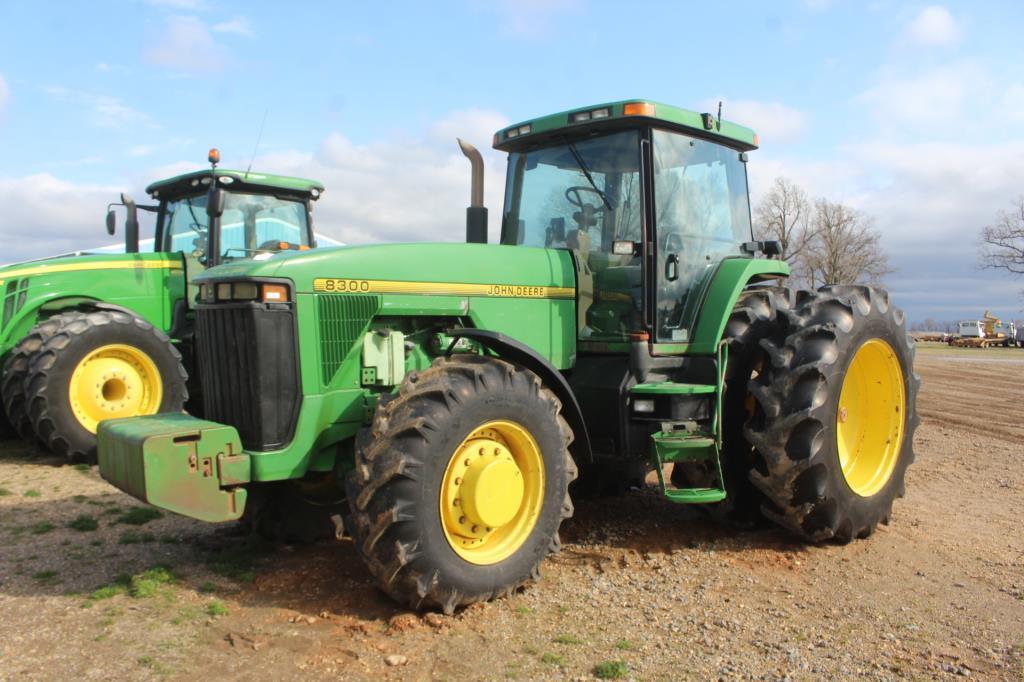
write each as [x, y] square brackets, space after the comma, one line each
[1002, 242]
[782, 215]
[844, 247]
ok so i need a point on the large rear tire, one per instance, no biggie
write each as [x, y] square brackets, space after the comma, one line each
[460, 492]
[100, 365]
[758, 314]
[12, 388]
[836, 414]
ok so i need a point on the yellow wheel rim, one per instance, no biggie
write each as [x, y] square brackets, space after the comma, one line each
[492, 492]
[871, 417]
[114, 381]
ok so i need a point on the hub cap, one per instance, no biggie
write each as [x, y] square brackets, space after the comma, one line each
[870, 418]
[492, 492]
[114, 381]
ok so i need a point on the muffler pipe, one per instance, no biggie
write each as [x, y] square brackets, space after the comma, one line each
[476, 213]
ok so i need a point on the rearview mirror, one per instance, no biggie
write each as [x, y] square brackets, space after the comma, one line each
[771, 248]
[215, 202]
[111, 221]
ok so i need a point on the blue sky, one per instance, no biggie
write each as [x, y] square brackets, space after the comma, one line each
[910, 111]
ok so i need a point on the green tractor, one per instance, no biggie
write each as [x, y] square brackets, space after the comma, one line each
[91, 336]
[438, 400]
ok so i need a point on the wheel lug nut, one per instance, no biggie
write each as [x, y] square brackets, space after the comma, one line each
[466, 462]
[481, 451]
[458, 480]
[462, 519]
[475, 528]
[497, 451]
[456, 502]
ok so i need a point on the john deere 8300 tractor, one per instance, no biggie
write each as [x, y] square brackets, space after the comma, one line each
[91, 336]
[440, 399]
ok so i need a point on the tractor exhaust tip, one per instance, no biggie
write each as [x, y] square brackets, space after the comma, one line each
[476, 213]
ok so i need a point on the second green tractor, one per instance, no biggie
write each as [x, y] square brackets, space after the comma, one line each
[443, 403]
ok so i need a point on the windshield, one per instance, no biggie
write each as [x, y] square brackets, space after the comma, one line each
[702, 215]
[251, 224]
[584, 196]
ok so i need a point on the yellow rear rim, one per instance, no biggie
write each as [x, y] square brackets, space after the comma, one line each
[114, 381]
[871, 416]
[492, 492]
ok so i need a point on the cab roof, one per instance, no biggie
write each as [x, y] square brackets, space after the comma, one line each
[236, 180]
[623, 114]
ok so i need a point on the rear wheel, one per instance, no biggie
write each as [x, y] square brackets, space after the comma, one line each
[836, 414]
[12, 388]
[759, 314]
[460, 494]
[100, 365]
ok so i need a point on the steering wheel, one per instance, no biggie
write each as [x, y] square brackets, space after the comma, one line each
[572, 195]
[278, 245]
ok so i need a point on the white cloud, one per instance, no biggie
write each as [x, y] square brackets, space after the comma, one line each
[187, 46]
[140, 150]
[933, 26]
[531, 18]
[933, 98]
[46, 216]
[5, 93]
[106, 111]
[238, 26]
[774, 122]
[189, 5]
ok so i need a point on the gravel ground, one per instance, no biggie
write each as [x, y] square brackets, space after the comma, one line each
[93, 587]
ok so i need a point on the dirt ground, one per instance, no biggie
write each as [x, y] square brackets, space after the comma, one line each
[94, 587]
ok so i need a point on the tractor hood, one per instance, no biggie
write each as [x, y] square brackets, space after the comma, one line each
[449, 269]
[84, 261]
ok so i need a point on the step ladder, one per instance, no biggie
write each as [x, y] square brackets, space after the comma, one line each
[677, 443]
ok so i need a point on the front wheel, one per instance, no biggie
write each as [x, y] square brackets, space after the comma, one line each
[459, 495]
[836, 412]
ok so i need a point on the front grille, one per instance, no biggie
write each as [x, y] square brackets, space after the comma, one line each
[343, 319]
[249, 370]
[14, 298]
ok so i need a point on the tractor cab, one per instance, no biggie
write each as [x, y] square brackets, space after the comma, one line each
[254, 215]
[649, 198]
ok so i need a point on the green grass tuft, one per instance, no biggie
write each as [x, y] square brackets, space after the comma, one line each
[216, 608]
[4, 492]
[108, 592]
[84, 468]
[132, 538]
[41, 528]
[45, 577]
[148, 583]
[553, 659]
[568, 639]
[611, 670]
[624, 645]
[83, 523]
[32, 493]
[207, 588]
[138, 516]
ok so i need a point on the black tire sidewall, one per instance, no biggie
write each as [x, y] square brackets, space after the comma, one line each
[130, 333]
[865, 511]
[424, 493]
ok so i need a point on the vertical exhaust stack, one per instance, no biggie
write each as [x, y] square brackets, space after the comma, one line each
[476, 214]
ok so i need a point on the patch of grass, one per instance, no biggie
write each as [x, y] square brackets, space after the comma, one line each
[610, 670]
[552, 659]
[531, 650]
[110, 591]
[207, 588]
[523, 610]
[186, 613]
[45, 577]
[567, 639]
[148, 583]
[132, 538]
[145, 661]
[238, 562]
[624, 645]
[41, 528]
[139, 516]
[84, 468]
[563, 610]
[4, 492]
[111, 511]
[32, 493]
[79, 498]
[216, 608]
[83, 523]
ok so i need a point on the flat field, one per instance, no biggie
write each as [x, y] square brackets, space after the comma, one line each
[95, 586]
